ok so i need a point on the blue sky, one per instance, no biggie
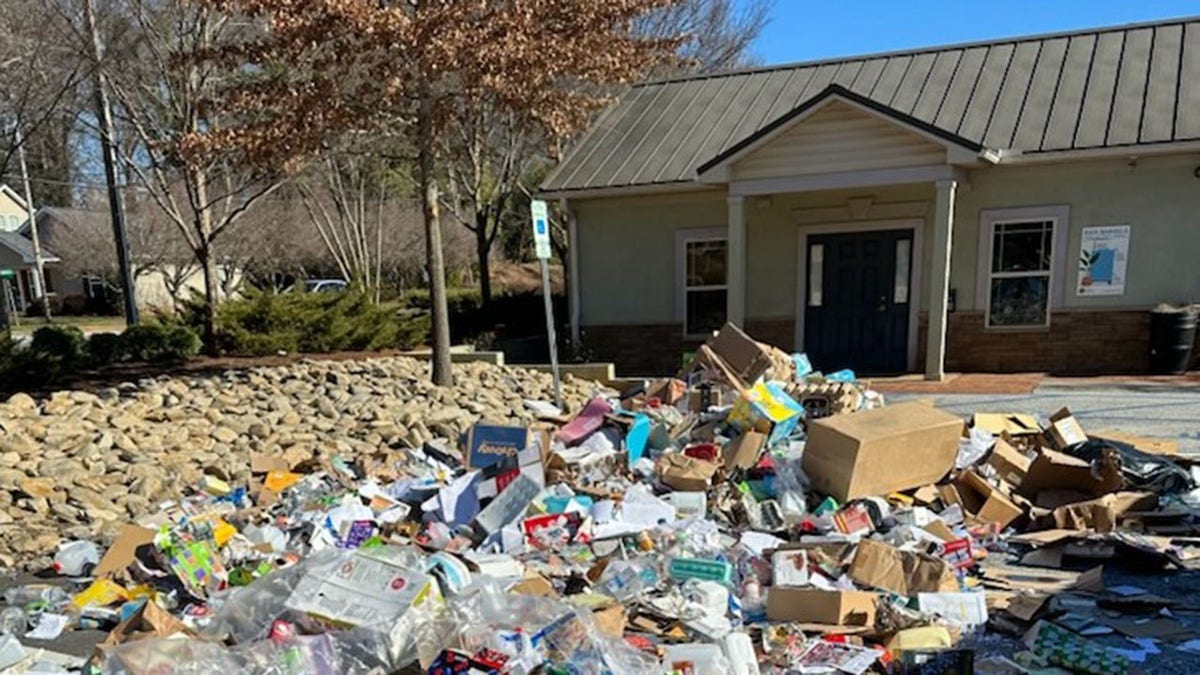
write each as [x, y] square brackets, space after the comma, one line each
[803, 30]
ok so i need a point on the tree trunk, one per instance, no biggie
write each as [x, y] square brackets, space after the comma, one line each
[483, 248]
[211, 300]
[440, 315]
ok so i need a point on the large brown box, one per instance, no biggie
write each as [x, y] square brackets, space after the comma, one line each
[875, 452]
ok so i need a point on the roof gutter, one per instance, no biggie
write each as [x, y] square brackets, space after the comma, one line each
[1019, 158]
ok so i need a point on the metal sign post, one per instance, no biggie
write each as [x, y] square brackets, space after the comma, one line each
[541, 241]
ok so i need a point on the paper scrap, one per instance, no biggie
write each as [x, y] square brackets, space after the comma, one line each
[967, 609]
[49, 627]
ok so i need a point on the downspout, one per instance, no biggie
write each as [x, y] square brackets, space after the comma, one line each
[574, 296]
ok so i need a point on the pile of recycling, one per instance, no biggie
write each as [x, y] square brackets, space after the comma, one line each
[748, 516]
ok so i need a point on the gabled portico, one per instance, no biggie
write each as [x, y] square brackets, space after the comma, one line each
[839, 140]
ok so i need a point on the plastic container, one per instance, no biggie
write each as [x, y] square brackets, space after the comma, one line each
[13, 621]
[23, 596]
[1172, 336]
[76, 559]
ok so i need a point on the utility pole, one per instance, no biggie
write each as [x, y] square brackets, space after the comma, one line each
[39, 276]
[115, 203]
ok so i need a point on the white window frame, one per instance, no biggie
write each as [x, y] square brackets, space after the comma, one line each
[682, 239]
[1059, 216]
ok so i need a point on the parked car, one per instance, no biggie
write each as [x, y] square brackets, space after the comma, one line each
[325, 286]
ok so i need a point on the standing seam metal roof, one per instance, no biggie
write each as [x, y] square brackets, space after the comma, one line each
[1108, 87]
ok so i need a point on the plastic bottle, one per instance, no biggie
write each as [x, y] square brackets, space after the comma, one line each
[13, 621]
[76, 558]
[23, 596]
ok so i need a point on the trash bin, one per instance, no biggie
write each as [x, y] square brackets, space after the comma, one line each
[1172, 334]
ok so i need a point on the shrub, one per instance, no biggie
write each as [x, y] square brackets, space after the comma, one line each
[158, 343]
[264, 323]
[60, 344]
[105, 348]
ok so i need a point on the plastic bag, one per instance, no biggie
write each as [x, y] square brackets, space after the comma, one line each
[1140, 470]
[973, 448]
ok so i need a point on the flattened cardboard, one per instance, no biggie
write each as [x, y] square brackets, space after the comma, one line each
[1013, 424]
[611, 621]
[121, 554]
[1065, 429]
[940, 529]
[1101, 514]
[810, 605]
[1153, 446]
[1034, 579]
[1057, 471]
[1046, 537]
[743, 452]
[876, 452]
[534, 584]
[878, 565]
[687, 474]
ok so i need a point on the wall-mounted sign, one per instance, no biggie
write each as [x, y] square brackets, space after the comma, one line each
[1103, 255]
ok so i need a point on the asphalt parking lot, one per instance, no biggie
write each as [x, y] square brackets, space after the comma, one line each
[1146, 410]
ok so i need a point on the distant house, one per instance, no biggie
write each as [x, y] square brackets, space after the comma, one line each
[88, 269]
[1011, 205]
[79, 260]
[17, 255]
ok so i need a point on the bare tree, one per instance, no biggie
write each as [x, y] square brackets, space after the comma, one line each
[162, 100]
[344, 196]
[719, 33]
[41, 94]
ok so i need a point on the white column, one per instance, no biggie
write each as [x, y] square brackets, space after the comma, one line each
[939, 277]
[573, 290]
[735, 307]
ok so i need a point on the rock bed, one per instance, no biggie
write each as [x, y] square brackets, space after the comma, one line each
[78, 464]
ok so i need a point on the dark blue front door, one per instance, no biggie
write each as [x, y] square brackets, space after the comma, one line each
[857, 298]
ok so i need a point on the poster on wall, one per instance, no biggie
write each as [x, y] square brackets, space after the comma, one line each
[1103, 254]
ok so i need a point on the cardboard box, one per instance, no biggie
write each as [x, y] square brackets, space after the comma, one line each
[1053, 470]
[810, 605]
[1013, 424]
[489, 445]
[1010, 464]
[687, 474]
[766, 407]
[1065, 429]
[748, 358]
[878, 565]
[983, 501]
[743, 452]
[879, 451]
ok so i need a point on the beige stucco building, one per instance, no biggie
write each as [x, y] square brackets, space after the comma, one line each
[1016, 205]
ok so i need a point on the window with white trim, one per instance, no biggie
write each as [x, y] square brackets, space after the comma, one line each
[1021, 272]
[705, 283]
